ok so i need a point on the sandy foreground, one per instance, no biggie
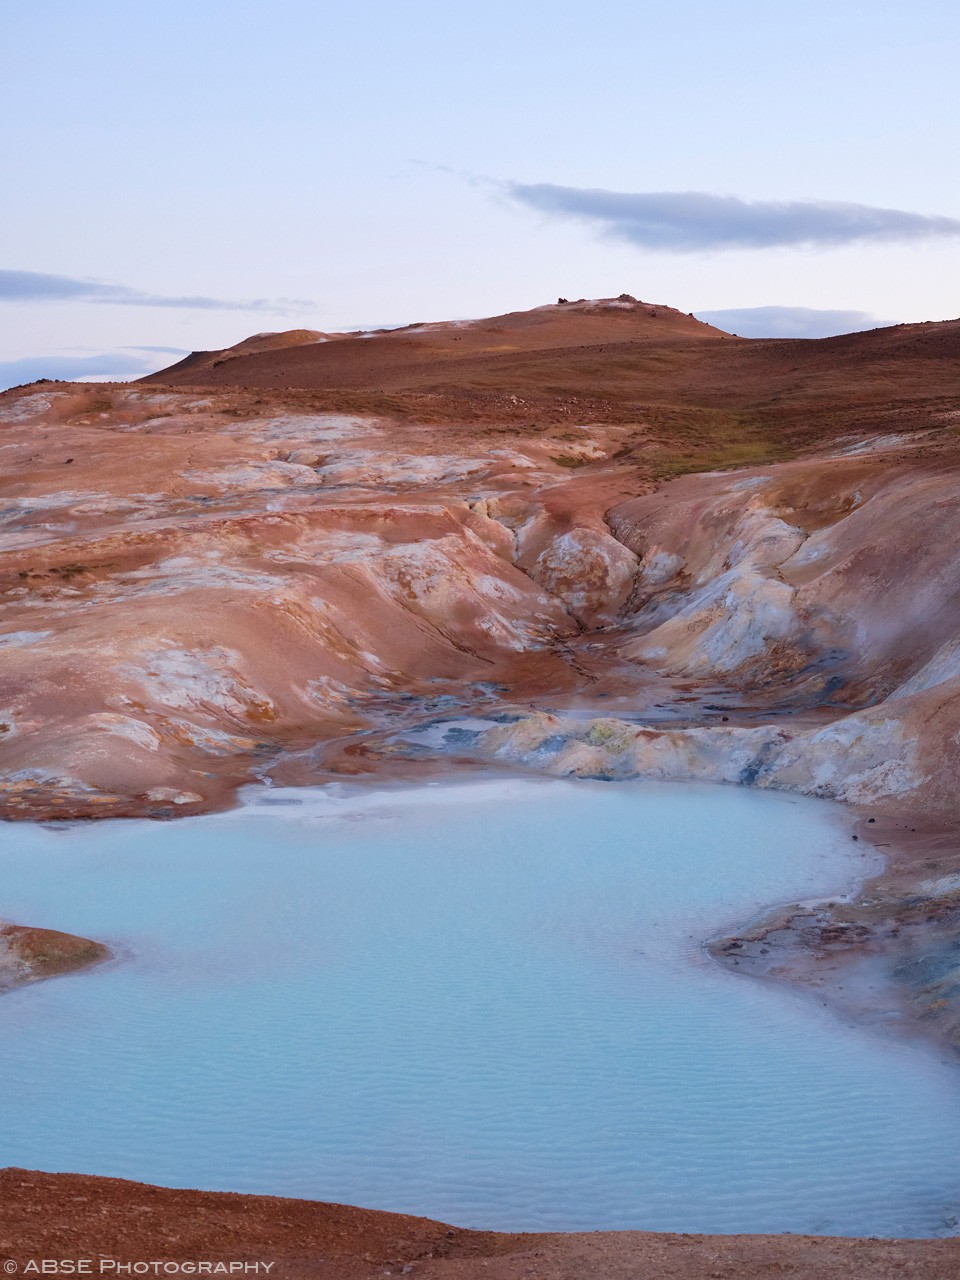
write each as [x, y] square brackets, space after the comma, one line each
[69, 1216]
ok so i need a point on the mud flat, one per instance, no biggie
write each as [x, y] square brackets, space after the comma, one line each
[486, 1002]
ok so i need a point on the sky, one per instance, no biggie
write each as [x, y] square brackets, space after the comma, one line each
[179, 176]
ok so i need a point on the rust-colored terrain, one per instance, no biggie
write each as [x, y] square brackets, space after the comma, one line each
[29, 954]
[605, 505]
[68, 1216]
[624, 542]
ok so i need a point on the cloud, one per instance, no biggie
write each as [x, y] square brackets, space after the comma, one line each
[165, 351]
[791, 322]
[112, 364]
[690, 221]
[35, 286]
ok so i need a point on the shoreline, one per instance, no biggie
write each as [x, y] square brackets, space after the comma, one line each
[879, 953]
[885, 956]
[879, 921]
[779, 822]
[123, 1222]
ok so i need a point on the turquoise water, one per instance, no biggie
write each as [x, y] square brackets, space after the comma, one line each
[486, 1003]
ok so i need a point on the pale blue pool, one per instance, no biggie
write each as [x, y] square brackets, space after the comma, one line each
[487, 1003]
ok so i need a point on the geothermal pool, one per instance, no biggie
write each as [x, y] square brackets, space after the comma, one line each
[484, 1002]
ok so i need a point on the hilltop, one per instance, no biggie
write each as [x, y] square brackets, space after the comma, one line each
[710, 397]
[398, 356]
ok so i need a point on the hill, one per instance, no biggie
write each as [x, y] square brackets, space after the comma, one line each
[711, 398]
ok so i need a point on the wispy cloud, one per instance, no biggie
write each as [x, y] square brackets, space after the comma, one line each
[111, 364]
[165, 351]
[791, 322]
[35, 286]
[691, 221]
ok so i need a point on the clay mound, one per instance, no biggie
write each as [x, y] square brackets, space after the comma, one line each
[588, 320]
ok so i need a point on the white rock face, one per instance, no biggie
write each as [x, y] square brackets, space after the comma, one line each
[659, 566]
[735, 608]
[829, 560]
[732, 619]
[942, 667]
[859, 759]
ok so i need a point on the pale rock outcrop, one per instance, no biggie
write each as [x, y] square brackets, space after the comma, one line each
[892, 757]
[842, 563]
[863, 759]
[611, 748]
[590, 571]
[716, 606]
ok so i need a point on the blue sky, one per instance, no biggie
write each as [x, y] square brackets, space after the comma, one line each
[197, 172]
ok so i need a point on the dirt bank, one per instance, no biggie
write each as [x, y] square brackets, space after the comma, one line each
[70, 1216]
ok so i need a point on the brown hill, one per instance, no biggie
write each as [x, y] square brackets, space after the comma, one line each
[381, 358]
[714, 399]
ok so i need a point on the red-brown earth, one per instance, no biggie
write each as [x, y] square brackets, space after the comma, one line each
[66, 1216]
[734, 560]
[29, 954]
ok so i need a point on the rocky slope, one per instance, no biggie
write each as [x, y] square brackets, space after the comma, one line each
[199, 587]
[827, 592]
